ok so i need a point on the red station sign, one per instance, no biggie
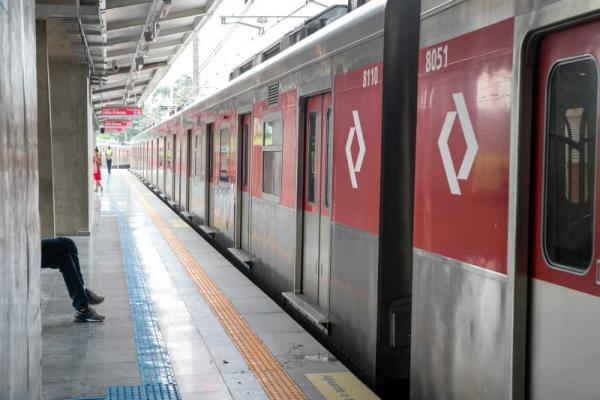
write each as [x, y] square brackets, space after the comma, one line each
[118, 123]
[122, 110]
[115, 128]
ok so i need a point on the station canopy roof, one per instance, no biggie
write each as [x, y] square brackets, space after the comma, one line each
[128, 44]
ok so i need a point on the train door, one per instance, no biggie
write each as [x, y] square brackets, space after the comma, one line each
[170, 186]
[198, 177]
[317, 200]
[178, 165]
[213, 151]
[188, 171]
[146, 168]
[161, 164]
[174, 160]
[164, 161]
[155, 162]
[150, 160]
[244, 195]
[564, 270]
[168, 164]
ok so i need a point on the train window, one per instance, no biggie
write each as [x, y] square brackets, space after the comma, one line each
[272, 139]
[312, 157]
[272, 133]
[225, 152]
[328, 158]
[570, 164]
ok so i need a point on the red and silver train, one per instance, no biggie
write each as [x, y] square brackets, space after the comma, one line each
[308, 167]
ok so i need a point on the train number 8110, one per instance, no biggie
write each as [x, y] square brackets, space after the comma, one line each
[370, 77]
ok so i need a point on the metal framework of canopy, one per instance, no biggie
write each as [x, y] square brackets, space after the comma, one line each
[128, 44]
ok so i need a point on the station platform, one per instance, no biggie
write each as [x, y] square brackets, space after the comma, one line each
[181, 321]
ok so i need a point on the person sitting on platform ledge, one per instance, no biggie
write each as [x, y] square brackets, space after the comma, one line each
[61, 253]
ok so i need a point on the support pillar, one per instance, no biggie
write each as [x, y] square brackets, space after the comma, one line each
[20, 326]
[44, 126]
[71, 147]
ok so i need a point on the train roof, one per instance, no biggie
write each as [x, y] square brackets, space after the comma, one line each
[356, 27]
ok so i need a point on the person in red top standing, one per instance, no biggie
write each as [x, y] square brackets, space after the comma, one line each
[97, 164]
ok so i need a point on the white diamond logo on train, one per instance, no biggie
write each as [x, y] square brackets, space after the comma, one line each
[469, 135]
[353, 167]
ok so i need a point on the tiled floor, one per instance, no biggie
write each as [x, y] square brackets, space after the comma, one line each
[84, 359]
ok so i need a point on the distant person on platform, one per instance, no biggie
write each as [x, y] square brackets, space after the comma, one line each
[61, 253]
[97, 165]
[109, 153]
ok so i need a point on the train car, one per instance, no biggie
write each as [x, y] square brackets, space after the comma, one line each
[505, 287]
[292, 168]
[254, 166]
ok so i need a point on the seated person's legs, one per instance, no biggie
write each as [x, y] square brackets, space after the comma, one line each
[61, 253]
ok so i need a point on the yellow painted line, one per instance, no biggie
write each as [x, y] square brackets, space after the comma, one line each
[341, 385]
[275, 381]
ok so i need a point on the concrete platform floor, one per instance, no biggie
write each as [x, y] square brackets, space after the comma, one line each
[83, 360]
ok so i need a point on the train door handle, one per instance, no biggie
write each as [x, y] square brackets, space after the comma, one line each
[598, 272]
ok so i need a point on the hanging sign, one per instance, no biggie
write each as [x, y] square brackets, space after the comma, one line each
[118, 123]
[115, 129]
[122, 110]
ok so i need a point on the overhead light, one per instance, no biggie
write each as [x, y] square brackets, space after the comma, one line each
[152, 33]
[139, 62]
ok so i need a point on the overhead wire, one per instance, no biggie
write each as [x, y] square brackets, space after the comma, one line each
[221, 43]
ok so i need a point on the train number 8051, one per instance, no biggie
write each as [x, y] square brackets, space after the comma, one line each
[436, 58]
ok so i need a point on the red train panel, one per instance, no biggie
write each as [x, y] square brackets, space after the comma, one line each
[462, 149]
[357, 147]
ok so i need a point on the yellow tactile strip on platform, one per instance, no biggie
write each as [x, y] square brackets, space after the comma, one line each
[341, 385]
[275, 381]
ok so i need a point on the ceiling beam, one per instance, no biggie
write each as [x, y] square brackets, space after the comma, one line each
[125, 69]
[97, 93]
[191, 12]
[118, 101]
[114, 100]
[161, 34]
[108, 100]
[152, 46]
[66, 11]
[155, 56]
[114, 4]
[96, 33]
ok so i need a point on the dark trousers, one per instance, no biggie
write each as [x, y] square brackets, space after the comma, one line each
[61, 253]
[109, 165]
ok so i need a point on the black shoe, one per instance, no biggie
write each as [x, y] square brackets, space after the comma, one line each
[88, 314]
[93, 298]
